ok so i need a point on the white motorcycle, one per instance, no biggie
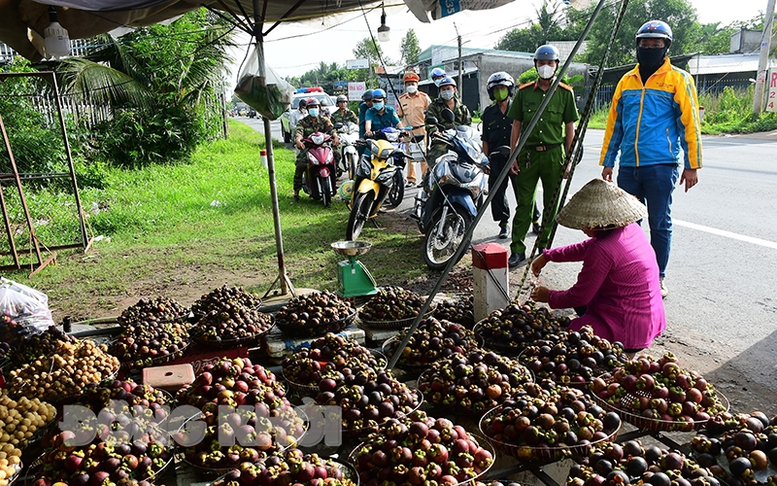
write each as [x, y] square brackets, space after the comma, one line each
[348, 133]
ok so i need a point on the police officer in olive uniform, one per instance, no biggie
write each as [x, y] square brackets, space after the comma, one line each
[446, 99]
[542, 158]
[314, 122]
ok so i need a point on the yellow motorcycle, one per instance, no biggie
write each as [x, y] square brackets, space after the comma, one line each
[378, 178]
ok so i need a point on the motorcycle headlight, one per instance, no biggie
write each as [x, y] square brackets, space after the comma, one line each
[318, 138]
[374, 148]
[365, 168]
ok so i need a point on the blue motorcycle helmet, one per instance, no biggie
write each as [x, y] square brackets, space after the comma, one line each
[378, 93]
[655, 29]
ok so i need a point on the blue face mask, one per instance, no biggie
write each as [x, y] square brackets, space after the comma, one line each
[378, 105]
[313, 112]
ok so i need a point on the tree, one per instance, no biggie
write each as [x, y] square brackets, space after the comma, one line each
[679, 14]
[547, 28]
[410, 48]
[157, 80]
[370, 50]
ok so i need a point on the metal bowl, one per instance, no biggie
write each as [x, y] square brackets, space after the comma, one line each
[351, 248]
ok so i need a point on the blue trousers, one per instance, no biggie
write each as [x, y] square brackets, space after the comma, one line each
[653, 185]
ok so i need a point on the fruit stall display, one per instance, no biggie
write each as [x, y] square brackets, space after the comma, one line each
[153, 332]
[391, 308]
[740, 449]
[290, 467]
[328, 357]
[472, 383]
[572, 357]
[541, 393]
[420, 449]
[658, 394]
[121, 447]
[461, 311]
[432, 340]
[27, 346]
[633, 463]
[511, 329]
[64, 374]
[228, 316]
[368, 399]
[314, 315]
[546, 423]
[238, 382]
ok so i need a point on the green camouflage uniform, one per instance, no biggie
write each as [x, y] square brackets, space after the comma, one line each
[461, 117]
[344, 118]
[305, 127]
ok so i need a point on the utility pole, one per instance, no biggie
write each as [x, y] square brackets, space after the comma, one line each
[763, 60]
[461, 66]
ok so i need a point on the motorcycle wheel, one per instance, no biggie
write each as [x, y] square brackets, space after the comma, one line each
[397, 192]
[326, 191]
[360, 213]
[438, 250]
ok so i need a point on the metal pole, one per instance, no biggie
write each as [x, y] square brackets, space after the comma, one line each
[79, 208]
[283, 279]
[763, 59]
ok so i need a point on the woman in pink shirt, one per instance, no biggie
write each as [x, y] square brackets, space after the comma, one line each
[617, 291]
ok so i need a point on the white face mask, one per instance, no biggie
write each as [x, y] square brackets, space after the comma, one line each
[411, 88]
[446, 94]
[546, 72]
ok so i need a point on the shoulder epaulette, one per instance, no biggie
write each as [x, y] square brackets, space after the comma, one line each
[531, 83]
[566, 86]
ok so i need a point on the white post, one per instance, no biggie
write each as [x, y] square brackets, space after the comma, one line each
[490, 282]
[763, 59]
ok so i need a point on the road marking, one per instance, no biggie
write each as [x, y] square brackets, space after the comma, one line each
[727, 234]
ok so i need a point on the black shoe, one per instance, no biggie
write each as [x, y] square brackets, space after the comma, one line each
[535, 227]
[516, 259]
[296, 198]
[504, 231]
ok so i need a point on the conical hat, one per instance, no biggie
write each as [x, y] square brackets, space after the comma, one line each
[601, 204]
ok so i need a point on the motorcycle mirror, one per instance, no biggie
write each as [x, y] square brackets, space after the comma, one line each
[430, 120]
[338, 126]
[448, 115]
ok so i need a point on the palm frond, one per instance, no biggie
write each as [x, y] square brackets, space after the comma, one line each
[98, 83]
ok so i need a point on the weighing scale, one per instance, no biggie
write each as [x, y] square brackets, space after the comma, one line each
[353, 278]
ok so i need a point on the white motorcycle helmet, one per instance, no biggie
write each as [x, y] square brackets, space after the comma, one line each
[500, 78]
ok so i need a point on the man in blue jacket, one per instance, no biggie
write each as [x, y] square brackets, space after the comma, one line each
[654, 112]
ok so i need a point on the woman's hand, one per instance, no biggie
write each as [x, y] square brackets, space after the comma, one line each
[538, 264]
[540, 293]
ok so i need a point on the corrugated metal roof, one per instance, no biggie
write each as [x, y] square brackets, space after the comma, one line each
[725, 63]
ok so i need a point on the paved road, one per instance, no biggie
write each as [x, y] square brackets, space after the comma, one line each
[722, 305]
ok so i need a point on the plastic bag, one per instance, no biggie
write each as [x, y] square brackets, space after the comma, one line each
[262, 88]
[26, 306]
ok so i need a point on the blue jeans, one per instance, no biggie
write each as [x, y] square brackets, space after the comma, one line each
[653, 185]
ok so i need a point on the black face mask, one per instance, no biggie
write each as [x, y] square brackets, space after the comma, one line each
[650, 59]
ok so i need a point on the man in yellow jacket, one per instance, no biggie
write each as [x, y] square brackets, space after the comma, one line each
[654, 113]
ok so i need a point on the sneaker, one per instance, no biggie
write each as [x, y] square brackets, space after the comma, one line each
[535, 227]
[504, 231]
[516, 259]
[664, 290]
[410, 184]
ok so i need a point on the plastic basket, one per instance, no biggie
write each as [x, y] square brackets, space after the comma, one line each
[541, 454]
[395, 325]
[656, 425]
[233, 343]
[309, 330]
[505, 349]
[351, 459]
